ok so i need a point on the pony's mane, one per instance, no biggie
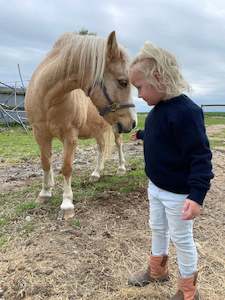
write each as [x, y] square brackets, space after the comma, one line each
[86, 54]
[81, 103]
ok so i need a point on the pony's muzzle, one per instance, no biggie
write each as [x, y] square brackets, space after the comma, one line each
[122, 129]
[134, 124]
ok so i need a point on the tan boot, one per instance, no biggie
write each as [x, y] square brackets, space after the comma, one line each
[157, 271]
[187, 289]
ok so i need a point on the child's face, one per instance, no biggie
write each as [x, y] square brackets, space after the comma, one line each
[146, 91]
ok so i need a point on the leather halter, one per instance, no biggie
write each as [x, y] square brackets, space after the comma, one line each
[113, 106]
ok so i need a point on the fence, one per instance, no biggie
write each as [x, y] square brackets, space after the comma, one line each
[12, 105]
[212, 105]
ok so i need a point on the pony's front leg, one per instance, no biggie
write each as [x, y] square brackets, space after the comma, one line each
[118, 140]
[67, 203]
[99, 165]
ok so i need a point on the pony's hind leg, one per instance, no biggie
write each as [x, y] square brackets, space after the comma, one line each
[118, 140]
[100, 161]
[67, 203]
[45, 144]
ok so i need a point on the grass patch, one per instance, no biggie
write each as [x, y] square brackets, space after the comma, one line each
[3, 221]
[16, 145]
[216, 118]
[217, 144]
[3, 241]
[28, 228]
[75, 223]
[25, 207]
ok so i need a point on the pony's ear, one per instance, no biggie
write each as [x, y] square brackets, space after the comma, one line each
[112, 46]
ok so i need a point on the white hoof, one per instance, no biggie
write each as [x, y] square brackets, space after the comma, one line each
[67, 204]
[42, 199]
[121, 170]
[94, 177]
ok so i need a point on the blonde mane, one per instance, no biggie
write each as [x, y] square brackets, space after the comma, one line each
[91, 51]
[81, 102]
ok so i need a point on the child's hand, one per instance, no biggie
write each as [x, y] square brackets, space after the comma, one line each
[134, 136]
[191, 210]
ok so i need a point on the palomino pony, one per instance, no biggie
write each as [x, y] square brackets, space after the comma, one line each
[97, 66]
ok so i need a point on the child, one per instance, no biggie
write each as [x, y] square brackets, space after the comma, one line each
[177, 163]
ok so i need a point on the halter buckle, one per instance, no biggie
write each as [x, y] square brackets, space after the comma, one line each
[114, 106]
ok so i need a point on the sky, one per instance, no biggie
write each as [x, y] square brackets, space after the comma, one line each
[192, 30]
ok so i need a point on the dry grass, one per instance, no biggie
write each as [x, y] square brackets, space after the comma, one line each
[91, 257]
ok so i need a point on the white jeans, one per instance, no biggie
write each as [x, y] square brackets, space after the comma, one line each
[166, 223]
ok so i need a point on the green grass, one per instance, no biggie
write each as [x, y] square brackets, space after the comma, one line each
[75, 223]
[3, 221]
[18, 146]
[27, 228]
[3, 241]
[25, 207]
[214, 118]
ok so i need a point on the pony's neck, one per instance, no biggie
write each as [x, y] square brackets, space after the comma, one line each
[55, 91]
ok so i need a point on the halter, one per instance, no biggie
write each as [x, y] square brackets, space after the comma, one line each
[113, 106]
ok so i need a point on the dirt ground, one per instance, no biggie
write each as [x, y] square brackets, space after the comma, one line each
[92, 262]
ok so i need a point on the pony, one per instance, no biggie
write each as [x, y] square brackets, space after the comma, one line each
[99, 67]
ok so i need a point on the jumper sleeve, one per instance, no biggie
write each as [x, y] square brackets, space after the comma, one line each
[140, 134]
[190, 133]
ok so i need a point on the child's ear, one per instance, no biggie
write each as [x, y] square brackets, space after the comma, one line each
[157, 76]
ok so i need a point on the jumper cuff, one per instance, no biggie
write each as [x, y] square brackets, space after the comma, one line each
[197, 195]
[140, 134]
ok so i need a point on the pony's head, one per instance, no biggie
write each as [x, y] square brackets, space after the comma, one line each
[112, 95]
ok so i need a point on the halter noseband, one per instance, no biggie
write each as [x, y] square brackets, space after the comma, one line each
[113, 106]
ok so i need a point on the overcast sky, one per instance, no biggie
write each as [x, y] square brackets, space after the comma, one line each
[193, 30]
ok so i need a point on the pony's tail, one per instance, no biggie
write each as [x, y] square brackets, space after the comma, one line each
[109, 139]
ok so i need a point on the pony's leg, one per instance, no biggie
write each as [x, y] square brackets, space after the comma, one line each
[100, 162]
[45, 145]
[118, 140]
[67, 203]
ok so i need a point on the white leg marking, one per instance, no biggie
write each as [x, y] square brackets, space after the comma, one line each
[47, 184]
[99, 166]
[121, 168]
[67, 196]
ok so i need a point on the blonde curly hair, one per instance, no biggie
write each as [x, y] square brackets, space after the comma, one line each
[161, 69]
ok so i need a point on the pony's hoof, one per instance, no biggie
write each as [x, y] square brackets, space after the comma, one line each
[94, 178]
[121, 171]
[68, 214]
[42, 199]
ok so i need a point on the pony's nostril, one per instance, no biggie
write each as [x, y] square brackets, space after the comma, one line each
[134, 124]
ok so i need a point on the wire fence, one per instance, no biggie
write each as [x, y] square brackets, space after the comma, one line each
[12, 104]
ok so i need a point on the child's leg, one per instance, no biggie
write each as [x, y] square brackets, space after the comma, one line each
[159, 227]
[157, 269]
[181, 233]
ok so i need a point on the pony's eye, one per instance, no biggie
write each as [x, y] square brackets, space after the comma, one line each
[123, 83]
